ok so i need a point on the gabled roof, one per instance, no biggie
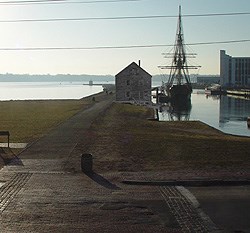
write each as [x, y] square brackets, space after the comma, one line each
[133, 64]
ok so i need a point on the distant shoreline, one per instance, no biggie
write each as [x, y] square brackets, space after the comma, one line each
[8, 77]
[54, 78]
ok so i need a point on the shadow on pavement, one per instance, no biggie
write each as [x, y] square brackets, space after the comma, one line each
[9, 157]
[102, 181]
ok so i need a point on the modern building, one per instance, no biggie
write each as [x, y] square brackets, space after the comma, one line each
[234, 71]
[133, 84]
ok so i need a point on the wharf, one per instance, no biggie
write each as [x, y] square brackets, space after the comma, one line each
[241, 92]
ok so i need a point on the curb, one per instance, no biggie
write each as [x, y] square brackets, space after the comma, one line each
[193, 183]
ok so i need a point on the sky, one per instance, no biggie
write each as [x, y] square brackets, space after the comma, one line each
[127, 32]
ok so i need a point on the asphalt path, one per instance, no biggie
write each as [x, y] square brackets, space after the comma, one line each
[227, 206]
[56, 150]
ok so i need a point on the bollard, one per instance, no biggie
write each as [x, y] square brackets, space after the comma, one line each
[87, 163]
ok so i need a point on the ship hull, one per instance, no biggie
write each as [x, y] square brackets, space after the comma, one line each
[180, 92]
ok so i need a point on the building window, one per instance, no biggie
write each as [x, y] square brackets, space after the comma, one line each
[127, 94]
[128, 82]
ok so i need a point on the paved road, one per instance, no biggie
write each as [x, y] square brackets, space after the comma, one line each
[228, 207]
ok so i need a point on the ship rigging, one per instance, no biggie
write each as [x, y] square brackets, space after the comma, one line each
[178, 87]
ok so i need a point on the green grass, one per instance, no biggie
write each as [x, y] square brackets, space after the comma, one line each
[125, 140]
[122, 139]
[29, 120]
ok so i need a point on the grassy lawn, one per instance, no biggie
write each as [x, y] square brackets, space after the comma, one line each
[29, 120]
[124, 140]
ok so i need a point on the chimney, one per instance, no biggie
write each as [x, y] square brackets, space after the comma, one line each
[139, 63]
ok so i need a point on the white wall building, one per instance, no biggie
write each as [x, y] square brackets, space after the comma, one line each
[234, 71]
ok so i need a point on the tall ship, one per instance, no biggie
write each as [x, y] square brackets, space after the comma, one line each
[178, 87]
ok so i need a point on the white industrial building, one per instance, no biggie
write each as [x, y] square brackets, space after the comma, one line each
[234, 71]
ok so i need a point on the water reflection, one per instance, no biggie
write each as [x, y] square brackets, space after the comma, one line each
[233, 109]
[177, 111]
[226, 113]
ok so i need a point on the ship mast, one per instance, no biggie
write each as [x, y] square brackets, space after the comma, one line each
[179, 73]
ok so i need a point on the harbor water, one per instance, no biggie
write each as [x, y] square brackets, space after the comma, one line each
[226, 113]
[46, 90]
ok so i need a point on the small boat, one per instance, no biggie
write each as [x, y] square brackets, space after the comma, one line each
[214, 89]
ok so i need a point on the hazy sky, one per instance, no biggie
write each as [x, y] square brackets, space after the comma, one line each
[92, 33]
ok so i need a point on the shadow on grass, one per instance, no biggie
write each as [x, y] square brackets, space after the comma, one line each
[102, 181]
[9, 157]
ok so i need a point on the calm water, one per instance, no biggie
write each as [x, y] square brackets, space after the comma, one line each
[45, 90]
[227, 114]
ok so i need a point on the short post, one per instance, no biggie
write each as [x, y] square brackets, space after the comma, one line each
[6, 133]
[157, 95]
[87, 163]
